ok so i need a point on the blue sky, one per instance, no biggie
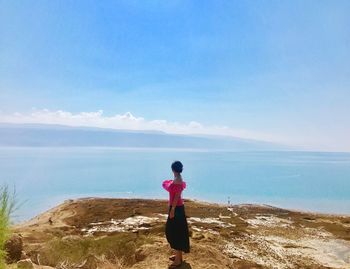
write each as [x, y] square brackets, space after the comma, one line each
[275, 70]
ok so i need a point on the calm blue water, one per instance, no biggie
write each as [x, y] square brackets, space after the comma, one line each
[299, 180]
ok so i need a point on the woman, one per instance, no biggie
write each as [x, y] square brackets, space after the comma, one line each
[176, 228]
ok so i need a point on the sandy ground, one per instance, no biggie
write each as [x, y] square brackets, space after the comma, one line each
[239, 236]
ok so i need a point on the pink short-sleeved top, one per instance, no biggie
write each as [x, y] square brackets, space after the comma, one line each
[173, 188]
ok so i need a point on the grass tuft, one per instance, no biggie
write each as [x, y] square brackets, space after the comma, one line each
[7, 206]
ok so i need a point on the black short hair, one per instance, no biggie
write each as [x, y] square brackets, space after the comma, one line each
[177, 167]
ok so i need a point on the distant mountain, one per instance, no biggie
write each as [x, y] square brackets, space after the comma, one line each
[46, 135]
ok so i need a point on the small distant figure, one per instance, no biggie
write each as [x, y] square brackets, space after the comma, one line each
[229, 201]
[50, 221]
[176, 228]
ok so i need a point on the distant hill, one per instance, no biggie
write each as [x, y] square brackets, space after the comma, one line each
[46, 135]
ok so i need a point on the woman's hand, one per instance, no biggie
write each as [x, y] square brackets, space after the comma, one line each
[172, 213]
[173, 206]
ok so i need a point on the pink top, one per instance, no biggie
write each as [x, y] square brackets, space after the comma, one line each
[173, 189]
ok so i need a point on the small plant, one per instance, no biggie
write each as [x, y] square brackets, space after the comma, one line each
[7, 206]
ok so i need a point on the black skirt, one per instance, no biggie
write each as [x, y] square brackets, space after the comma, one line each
[176, 230]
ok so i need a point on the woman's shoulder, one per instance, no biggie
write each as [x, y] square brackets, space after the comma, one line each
[179, 184]
[173, 185]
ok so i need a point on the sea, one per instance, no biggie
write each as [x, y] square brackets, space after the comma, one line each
[306, 181]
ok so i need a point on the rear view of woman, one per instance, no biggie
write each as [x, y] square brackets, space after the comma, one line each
[176, 228]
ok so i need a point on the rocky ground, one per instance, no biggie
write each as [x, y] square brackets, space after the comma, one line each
[129, 233]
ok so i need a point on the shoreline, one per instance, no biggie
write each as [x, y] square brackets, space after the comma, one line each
[203, 201]
[246, 235]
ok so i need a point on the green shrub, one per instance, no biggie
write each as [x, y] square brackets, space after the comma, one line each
[7, 206]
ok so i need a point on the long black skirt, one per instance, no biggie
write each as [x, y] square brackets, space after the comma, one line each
[176, 230]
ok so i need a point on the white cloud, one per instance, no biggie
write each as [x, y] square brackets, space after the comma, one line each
[127, 121]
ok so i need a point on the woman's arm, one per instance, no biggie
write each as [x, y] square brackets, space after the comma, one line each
[172, 211]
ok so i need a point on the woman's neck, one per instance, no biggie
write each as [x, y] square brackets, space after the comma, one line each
[178, 177]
